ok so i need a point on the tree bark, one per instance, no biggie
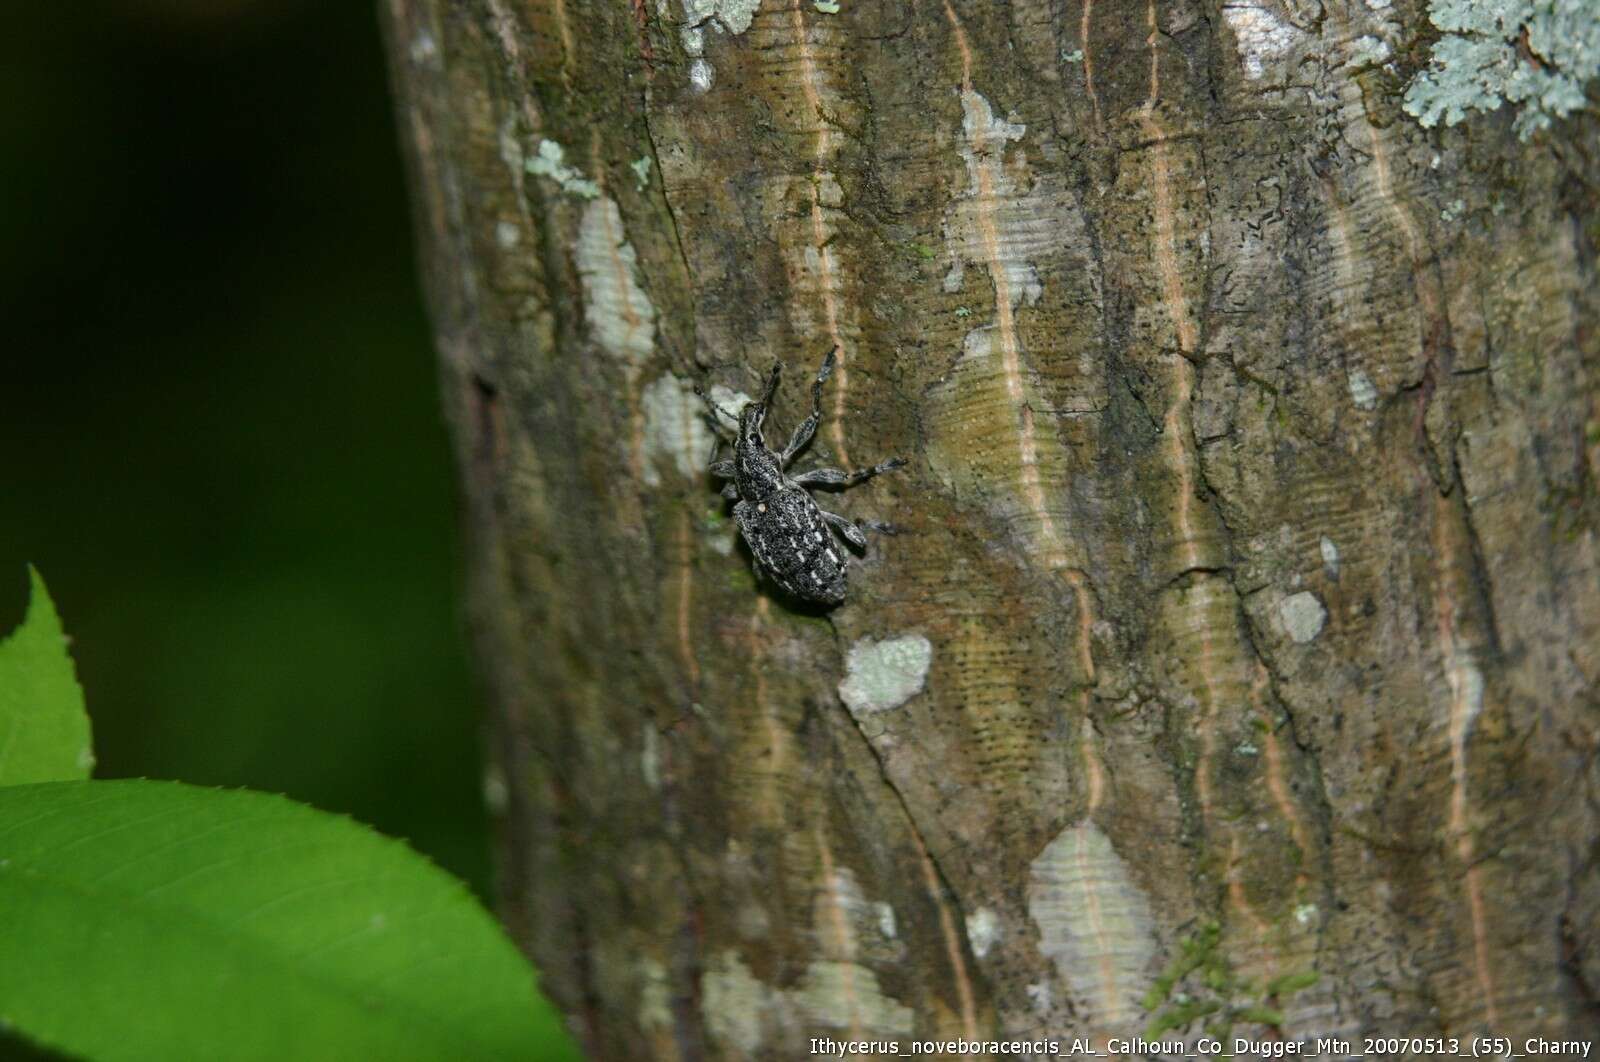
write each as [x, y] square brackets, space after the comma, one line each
[1240, 650]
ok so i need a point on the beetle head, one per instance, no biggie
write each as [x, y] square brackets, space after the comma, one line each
[750, 421]
[755, 414]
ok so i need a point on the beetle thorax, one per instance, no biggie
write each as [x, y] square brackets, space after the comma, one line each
[756, 470]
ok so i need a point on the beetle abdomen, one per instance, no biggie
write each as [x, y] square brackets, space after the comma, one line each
[793, 545]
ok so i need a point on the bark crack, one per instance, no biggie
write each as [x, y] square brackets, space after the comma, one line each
[958, 947]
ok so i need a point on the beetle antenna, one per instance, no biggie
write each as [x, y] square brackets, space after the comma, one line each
[713, 405]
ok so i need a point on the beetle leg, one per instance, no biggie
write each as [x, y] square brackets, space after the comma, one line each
[730, 490]
[852, 534]
[722, 469]
[833, 477]
[808, 427]
[772, 385]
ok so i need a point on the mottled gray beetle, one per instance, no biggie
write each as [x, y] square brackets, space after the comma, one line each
[785, 528]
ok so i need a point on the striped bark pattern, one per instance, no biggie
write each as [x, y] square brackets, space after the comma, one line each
[1248, 605]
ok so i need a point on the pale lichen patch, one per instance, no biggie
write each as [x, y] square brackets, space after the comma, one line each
[1330, 557]
[734, 16]
[733, 1004]
[641, 172]
[1263, 37]
[701, 75]
[1094, 923]
[886, 921]
[1302, 616]
[675, 432]
[655, 996]
[729, 399]
[886, 674]
[983, 929]
[994, 221]
[847, 995]
[619, 313]
[1369, 51]
[1362, 391]
[1539, 55]
[731, 16]
[841, 907]
[1466, 680]
[550, 161]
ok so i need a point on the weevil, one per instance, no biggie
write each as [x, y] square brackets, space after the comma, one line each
[787, 531]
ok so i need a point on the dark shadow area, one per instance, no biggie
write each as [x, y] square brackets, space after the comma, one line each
[221, 441]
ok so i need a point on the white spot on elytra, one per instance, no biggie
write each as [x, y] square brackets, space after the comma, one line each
[1094, 923]
[619, 314]
[886, 674]
[983, 929]
[1302, 615]
[1263, 37]
[675, 433]
[1362, 393]
[1330, 557]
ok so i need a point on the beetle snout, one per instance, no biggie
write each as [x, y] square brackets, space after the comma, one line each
[754, 415]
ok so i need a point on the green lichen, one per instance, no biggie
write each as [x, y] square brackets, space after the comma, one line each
[641, 172]
[1200, 985]
[827, 7]
[1536, 54]
[551, 162]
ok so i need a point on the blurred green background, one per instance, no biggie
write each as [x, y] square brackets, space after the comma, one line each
[221, 438]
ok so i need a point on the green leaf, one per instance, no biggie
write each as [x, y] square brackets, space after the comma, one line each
[44, 730]
[152, 920]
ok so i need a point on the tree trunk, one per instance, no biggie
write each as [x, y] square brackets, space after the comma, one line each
[1236, 666]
